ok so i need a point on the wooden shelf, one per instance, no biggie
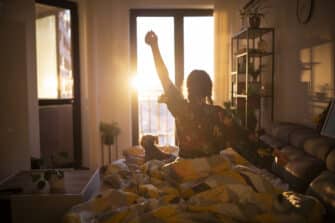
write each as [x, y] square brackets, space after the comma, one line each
[247, 63]
[252, 33]
[253, 54]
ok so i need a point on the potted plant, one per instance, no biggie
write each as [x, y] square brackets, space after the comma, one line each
[253, 12]
[254, 18]
[109, 131]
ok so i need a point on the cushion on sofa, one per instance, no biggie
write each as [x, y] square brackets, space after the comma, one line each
[291, 152]
[272, 141]
[297, 167]
[305, 167]
[282, 131]
[331, 161]
[323, 187]
[299, 136]
[319, 147]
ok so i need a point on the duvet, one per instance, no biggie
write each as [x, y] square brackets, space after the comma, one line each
[220, 188]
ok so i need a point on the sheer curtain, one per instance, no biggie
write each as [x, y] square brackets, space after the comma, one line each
[225, 19]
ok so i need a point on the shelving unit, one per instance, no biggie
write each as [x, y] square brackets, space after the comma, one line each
[252, 76]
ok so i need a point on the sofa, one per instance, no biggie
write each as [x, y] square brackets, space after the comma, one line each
[309, 164]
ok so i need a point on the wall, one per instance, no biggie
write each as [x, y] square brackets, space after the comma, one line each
[105, 65]
[18, 100]
[305, 60]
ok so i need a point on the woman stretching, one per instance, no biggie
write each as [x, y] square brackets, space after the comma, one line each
[202, 128]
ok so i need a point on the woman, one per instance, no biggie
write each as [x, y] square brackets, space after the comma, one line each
[202, 128]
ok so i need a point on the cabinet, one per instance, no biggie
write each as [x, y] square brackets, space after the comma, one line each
[252, 76]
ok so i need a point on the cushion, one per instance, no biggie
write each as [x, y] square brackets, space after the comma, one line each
[323, 187]
[305, 167]
[318, 146]
[283, 130]
[331, 161]
[291, 152]
[299, 136]
[272, 141]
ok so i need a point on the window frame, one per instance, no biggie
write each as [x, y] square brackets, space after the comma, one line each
[76, 99]
[178, 15]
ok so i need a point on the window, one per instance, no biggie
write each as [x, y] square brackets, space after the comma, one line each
[186, 43]
[54, 52]
[58, 78]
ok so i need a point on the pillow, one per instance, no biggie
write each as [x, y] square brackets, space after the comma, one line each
[318, 147]
[331, 161]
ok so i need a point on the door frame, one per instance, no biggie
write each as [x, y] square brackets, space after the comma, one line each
[76, 100]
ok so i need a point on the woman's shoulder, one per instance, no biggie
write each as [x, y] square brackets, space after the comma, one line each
[213, 109]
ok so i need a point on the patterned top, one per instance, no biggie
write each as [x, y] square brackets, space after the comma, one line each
[201, 130]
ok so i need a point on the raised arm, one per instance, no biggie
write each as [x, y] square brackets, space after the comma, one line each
[152, 40]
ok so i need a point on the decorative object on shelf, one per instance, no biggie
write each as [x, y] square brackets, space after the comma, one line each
[255, 19]
[304, 10]
[109, 133]
[254, 12]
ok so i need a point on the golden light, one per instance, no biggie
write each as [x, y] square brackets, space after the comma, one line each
[145, 84]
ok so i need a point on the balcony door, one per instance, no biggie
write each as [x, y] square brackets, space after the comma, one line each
[58, 82]
[186, 40]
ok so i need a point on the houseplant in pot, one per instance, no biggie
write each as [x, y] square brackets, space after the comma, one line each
[109, 131]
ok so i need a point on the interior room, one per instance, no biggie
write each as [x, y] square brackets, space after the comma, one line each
[99, 121]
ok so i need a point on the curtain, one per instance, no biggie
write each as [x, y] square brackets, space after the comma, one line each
[225, 18]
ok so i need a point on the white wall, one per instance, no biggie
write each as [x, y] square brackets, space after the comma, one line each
[303, 43]
[297, 45]
[18, 100]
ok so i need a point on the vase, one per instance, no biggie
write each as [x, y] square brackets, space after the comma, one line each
[254, 21]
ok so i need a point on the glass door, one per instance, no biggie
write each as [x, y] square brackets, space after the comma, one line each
[186, 43]
[58, 83]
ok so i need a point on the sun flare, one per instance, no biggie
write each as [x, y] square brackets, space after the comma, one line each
[145, 84]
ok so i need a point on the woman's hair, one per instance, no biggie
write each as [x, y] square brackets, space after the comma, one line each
[199, 85]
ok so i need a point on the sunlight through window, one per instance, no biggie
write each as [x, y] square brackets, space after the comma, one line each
[154, 118]
[198, 45]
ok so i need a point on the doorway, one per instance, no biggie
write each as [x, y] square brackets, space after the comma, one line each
[57, 55]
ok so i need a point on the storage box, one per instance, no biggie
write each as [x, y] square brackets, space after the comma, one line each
[19, 202]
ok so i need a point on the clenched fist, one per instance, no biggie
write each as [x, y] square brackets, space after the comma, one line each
[151, 38]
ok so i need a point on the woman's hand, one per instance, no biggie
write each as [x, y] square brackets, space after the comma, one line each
[151, 38]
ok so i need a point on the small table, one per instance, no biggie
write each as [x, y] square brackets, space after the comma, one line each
[23, 205]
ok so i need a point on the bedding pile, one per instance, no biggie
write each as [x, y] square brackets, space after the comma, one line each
[220, 188]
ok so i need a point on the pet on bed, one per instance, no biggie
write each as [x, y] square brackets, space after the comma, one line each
[151, 151]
